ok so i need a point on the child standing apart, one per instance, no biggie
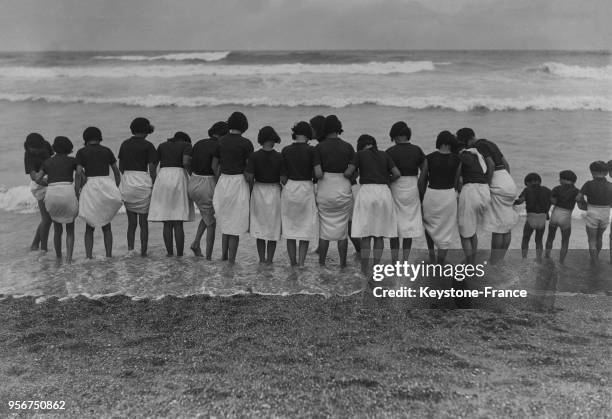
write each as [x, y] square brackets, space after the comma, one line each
[537, 201]
[596, 196]
[564, 199]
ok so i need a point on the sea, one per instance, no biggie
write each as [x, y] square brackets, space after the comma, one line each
[547, 110]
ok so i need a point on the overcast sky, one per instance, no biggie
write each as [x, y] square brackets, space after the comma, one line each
[304, 24]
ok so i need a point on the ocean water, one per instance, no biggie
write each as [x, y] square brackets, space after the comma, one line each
[547, 110]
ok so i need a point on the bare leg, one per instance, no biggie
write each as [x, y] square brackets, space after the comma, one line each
[506, 240]
[406, 247]
[565, 237]
[69, 241]
[131, 229]
[89, 231]
[355, 240]
[195, 246]
[179, 237]
[168, 240]
[143, 221]
[343, 250]
[271, 249]
[600, 232]
[468, 251]
[45, 225]
[210, 240]
[36, 240]
[323, 248]
[303, 252]
[366, 245]
[550, 239]
[431, 248]
[497, 244]
[379, 245]
[442, 256]
[291, 251]
[592, 238]
[224, 246]
[108, 240]
[232, 244]
[261, 250]
[57, 239]
[527, 231]
[394, 245]
[539, 235]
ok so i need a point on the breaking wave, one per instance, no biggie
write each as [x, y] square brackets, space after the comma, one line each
[185, 56]
[578, 72]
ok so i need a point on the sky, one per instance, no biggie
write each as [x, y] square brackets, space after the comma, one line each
[304, 24]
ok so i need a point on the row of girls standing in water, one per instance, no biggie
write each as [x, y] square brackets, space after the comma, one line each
[302, 193]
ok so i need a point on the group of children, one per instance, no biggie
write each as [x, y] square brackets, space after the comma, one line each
[595, 197]
[325, 193]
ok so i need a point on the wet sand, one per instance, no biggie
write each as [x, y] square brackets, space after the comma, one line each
[305, 356]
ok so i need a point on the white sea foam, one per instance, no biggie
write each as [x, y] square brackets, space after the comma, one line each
[459, 104]
[185, 56]
[191, 70]
[578, 72]
[18, 199]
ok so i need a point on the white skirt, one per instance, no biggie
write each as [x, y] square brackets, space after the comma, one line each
[500, 216]
[61, 202]
[135, 188]
[231, 204]
[374, 213]
[440, 216]
[334, 201]
[299, 215]
[100, 201]
[473, 201]
[265, 221]
[597, 216]
[169, 200]
[37, 190]
[561, 217]
[407, 203]
[201, 190]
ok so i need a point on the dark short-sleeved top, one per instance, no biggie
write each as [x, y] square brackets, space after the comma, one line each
[565, 196]
[442, 170]
[60, 168]
[33, 158]
[203, 153]
[170, 153]
[374, 166]
[95, 159]
[334, 155]
[598, 192]
[537, 199]
[407, 158]
[298, 161]
[471, 171]
[233, 152]
[490, 149]
[265, 165]
[136, 154]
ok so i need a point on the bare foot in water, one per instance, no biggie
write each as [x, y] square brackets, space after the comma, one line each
[196, 251]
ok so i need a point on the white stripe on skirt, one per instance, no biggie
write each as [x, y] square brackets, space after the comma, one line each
[169, 200]
[299, 213]
[231, 204]
[374, 214]
[100, 201]
[61, 202]
[334, 201]
[407, 205]
[440, 216]
[136, 187]
[266, 211]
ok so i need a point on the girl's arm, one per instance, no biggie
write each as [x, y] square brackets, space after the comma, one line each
[116, 173]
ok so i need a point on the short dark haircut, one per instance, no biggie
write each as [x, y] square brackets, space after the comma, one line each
[445, 138]
[218, 128]
[610, 166]
[598, 167]
[332, 125]
[568, 175]
[365, 140]
[62, 145]
[238, 121]
[317, 124]
[34, 140]
[266, 134]
[532, 177]
[302, 128]
[399, 129]
[92, 134]
[141, 125]
[465, 134]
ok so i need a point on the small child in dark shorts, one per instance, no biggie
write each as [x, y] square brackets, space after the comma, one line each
[537, 201]
[598, 193]
[564, 199]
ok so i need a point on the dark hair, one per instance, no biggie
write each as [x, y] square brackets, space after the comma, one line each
[532, 177]
[92, 134]
[332, 125]
[317, 124]
[218, 128]
[141, 125]
[266, 134]
[598, 166]
[400, 129]
[446, 138]
[365, 140]
[465, 134]
[62, 145]
[609, 166]
[568, 175]
[301, 128]
[34, 140]
[238, 121]
[180, 136]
